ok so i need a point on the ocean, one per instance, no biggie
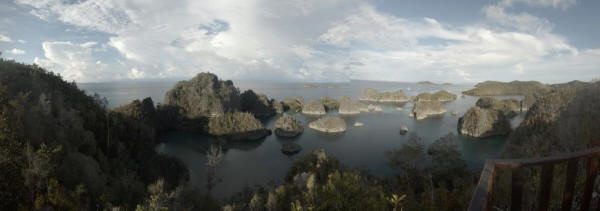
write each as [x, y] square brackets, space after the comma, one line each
[261, 162]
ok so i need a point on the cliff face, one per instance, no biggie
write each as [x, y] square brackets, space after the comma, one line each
[349, 106]
[259, 105]
[479, 122]
[204, 96]
[562, 121]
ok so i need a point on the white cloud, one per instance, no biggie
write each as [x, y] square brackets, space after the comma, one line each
[136, 74]
[307, 40]
[563, 4]
[5, 38]
[522, 21]
[16, 51]
[74, 62]
[21, 41]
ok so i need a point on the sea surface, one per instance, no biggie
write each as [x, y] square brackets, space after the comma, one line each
[261, 162]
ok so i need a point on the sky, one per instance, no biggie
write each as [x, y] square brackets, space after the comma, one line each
[461, 41]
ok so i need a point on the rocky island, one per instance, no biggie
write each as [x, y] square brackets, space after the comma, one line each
[489, 117]
[237, 126]
[349, 107]
[313, 107]
[329, 125]
[479, 122]
[204, 96]
[424, 109]
[370, 94]
[287, 126]
[495, 88]
[229, 114]
[441, 95]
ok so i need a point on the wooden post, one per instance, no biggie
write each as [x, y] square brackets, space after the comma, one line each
[589, 183]
[567, 201]
[545, 186]
[516, 194]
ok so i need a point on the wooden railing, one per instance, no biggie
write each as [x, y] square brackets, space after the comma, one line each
[483, 196]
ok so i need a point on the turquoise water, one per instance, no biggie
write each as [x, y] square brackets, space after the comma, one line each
[261, 162]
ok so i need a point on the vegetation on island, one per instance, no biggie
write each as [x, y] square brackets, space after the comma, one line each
[61, 149]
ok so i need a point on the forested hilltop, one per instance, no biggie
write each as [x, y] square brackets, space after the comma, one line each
[61, 149]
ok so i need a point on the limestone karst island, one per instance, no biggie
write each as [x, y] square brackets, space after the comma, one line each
[303, 105]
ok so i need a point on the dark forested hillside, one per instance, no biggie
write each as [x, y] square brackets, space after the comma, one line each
[61, 149]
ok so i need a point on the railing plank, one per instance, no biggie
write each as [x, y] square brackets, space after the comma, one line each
[567, 201]
[589, 183]
[545, 186]
[483, 195]
[516, 163]
[516, 192]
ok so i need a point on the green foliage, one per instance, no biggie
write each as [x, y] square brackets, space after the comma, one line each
[444, 184]
[61, 149]
[232, 123]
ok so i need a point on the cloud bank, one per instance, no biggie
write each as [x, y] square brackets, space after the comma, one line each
[314, 40]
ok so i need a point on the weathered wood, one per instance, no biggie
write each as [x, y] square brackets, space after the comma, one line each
[589, 183]
[483, 195]
[567, 201]
[545, 186]
[516, 163]
[516, 192]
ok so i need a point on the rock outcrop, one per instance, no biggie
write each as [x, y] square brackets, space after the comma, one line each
[349, 106]
[278, 106]
[358, 124]
[510, 107]
[424, 109]
[491, 88]
[291, 104]
[403, 129]
[291, 148]
[330, 103]
[370, 94]
[204, 96]
[329, 125]
[480, 122]
[237, 126]
[258, 105]
[313, 107]
[288, 126]
[489, 117]
[441, 95]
